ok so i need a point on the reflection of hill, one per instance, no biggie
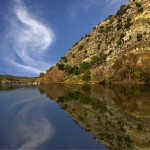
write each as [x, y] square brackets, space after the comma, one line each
[116, 116]
[9, 87]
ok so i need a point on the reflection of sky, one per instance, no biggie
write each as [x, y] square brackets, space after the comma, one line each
[30, 120]
[28, 130]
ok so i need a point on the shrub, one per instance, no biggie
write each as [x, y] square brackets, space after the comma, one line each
[80, 47]
[140, 10]
[72, 69]
[85, 51]
[122, 10]
[108, 28]
[129, 19]
[102, 57]
[42, 74]
[101, 27]
[139, 37]
[119, 42]
[122, 35]
[73, 56]
[127, 25]
[84, 66]
[138, 4]
[86, 78]
[111, 20]
[64, 59]
[119, 26]
[60, 66]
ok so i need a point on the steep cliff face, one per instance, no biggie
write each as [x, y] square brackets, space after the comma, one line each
[117, 50]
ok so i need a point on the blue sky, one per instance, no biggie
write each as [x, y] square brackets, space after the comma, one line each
[36, 33]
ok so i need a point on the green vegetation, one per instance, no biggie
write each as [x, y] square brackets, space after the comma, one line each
[85, 51]
[119, 26]
[73, 56]
[84, 66]
[139, 37]
[98, 60]
[122, 35]
[128, 23]
[139, 7]
[64, 59]
[108, 28]
[42, 74]
[16, 79]
[80, 47]
[122, 10]
[60, 66]
[111, 20]
[86, 77]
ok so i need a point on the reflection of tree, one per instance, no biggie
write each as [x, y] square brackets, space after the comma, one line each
[118, 116]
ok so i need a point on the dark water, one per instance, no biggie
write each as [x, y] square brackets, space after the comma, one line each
[75, 117]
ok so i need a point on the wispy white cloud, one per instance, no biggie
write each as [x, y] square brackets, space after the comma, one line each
[27, 40]
[82, 6]
[85, 6]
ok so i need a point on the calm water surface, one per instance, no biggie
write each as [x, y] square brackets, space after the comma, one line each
[29, 119]
[75, 117]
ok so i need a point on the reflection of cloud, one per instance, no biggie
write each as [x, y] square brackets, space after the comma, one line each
[26, 40]
[32, 130]
[35, 133]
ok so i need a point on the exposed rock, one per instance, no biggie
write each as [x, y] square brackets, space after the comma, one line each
[54, 75]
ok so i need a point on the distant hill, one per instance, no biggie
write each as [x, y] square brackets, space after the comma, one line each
[116, 50]
[16, 79]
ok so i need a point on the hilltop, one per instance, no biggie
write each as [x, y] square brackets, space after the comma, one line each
[9, 79]
[116, 50]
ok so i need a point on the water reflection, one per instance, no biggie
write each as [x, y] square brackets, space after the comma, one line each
[30, 120]
[117, 116]
[19, 126]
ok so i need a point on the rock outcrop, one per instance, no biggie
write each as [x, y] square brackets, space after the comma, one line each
[54, 75]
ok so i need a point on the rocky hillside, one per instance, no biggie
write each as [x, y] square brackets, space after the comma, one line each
[116, 50]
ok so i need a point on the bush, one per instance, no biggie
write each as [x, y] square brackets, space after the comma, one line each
[64, 59]
[140, 10]
[108, 28]
[84, 66]
[129, 19]
[122, 10]
[72, 69]
[98, 60]
[42, 74]
[127, 25]
[60, 66]
[85, 51]
[122, 35]
[73, 56]
[119, 26]
[119, 42]
[80, 47]
[111, 20]
[86, 78]
[138, 4]
[139, 37]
